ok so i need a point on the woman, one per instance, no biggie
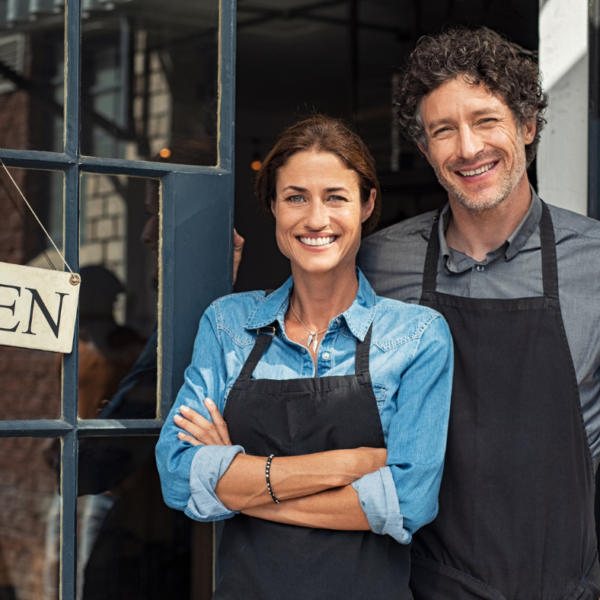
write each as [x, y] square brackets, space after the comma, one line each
[314, 381]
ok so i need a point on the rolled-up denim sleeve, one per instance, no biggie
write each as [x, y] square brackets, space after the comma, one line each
[189, 474]
[208, 466]
[416, 442]
[379, 500]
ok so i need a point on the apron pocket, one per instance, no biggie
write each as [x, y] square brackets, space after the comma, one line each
[431, 580]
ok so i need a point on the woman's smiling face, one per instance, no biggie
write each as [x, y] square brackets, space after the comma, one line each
[319, 212]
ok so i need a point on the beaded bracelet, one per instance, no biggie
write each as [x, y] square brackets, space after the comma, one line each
[269, 478]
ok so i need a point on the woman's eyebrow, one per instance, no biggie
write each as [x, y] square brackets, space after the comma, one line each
[294, 187]
[301, 189]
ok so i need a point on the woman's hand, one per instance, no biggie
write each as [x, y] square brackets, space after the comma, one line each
[199, 430]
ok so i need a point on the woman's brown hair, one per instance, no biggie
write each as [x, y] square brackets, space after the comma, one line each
[320, 133]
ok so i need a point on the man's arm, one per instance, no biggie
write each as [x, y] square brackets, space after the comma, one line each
[333, 509]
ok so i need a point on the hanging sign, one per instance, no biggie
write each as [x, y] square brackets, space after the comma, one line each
[38, 308]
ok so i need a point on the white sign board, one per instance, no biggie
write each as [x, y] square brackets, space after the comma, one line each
[38, 308]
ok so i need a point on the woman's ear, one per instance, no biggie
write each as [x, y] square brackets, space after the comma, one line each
[368, 206]
[273, 206]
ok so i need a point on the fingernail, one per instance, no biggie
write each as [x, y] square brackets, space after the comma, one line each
[181, 435]
[178, 418]
[208, 401]
[184, 409]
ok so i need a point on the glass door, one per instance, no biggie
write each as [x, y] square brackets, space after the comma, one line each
[116, 122]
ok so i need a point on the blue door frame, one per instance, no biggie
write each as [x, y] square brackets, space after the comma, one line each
[196, 262]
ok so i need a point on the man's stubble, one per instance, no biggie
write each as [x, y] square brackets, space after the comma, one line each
[508, 183]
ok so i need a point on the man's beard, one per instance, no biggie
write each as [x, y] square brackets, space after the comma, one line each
[507, 184]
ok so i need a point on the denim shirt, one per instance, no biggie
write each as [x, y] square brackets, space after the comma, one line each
[411, 364]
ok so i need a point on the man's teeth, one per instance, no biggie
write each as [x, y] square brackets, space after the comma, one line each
[477, 171]
[319, 241]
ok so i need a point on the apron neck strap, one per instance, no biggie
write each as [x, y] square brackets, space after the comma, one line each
[265, 334]
[361, 359]
[262, 341]
[548, 247]
[432, 257]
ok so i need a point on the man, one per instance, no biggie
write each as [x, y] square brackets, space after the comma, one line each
[518, 283]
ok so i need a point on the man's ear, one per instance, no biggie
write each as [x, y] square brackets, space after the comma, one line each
[368, 206]
[528, 130]
[424, 151]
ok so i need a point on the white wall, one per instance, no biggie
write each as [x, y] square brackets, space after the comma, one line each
[562, 156]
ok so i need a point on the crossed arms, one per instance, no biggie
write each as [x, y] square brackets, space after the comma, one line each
[314, 490]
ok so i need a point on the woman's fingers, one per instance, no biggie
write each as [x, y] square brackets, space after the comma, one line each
[198, 427]
[188, 438]
[218, 421]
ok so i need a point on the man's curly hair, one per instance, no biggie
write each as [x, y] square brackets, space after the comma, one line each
[480, 56]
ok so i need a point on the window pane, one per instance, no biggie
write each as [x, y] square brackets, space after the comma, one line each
[29, 379]
[118, 299]
[149, 80]
[131, 546]
[29, 519]
[31, 75]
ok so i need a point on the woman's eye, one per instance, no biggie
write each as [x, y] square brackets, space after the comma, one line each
[337, 198]
[295, 199]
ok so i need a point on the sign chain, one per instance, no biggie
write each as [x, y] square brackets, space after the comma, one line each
[75, 277]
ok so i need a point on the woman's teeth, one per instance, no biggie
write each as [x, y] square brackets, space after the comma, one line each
[477, 171]
[320, 241]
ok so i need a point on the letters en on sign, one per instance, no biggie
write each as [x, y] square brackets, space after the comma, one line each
[38, 308]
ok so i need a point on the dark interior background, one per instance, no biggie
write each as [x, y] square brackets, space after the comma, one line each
[339, 57]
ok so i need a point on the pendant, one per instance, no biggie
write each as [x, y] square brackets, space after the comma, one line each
[315, 343]
[310, 339]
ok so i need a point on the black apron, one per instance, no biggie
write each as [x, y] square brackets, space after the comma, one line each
[263, 560]
[516, 515]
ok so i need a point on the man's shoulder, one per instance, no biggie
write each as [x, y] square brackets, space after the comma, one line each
[571, 226]
[413, 230]
[392, 259]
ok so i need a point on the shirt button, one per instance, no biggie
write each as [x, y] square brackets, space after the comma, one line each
[337, 321]
[326, 355]
[480, 268]
[303, 350]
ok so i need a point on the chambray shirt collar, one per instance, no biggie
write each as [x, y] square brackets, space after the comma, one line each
[358, 317]
[457, 262]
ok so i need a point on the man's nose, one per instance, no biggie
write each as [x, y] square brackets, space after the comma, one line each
[470, 144]
[318, 217]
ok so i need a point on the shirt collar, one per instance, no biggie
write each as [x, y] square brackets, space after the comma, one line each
[358, 317]
[458, 262]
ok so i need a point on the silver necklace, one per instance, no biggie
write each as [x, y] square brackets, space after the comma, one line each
[313, 336]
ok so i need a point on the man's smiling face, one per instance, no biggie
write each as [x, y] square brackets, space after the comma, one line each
[474, 143]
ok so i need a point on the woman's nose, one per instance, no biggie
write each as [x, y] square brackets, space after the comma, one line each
[318, 217]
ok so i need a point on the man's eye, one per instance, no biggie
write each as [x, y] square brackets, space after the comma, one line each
[441, 130]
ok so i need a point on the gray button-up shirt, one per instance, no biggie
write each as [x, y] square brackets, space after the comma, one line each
[393, 260]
